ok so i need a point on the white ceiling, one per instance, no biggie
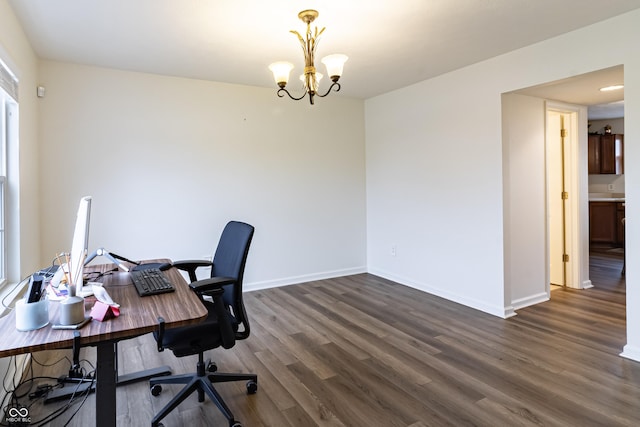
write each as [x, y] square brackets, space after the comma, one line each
[390, 44]
[585, 90]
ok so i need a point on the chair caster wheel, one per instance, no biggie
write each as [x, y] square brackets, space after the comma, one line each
[156, 389]
[212, 367]
[252, 387]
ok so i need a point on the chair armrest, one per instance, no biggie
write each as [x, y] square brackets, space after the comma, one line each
[191, 265]
[206, 286]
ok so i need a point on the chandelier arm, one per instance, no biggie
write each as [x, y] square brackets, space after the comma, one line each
[337, 86]
[290, 96]
[308, 43]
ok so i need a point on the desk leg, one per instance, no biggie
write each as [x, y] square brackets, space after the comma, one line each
[106, 378]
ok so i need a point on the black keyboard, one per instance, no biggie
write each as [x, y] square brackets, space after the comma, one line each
[151, 282]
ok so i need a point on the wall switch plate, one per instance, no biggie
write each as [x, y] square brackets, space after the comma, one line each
[610, 187]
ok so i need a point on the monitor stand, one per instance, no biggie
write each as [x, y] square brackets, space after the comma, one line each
[87, 290]
[117, 260]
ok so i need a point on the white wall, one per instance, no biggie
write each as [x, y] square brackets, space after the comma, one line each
[24, 201]
[597, 126]
[524, 200]
[434, 167]
[169, 161]
[434, 188]
[600, 183]
[22, 219]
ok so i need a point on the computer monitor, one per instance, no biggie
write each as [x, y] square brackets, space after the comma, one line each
[79, 248]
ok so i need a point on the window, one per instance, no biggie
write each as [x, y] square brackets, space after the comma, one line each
[4, 111]
[8, 104]
[3, 251]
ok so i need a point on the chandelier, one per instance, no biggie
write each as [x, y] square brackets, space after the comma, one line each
[310, 79]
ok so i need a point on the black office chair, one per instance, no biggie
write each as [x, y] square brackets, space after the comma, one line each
[226, 322]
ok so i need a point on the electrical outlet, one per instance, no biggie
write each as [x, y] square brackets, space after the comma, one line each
[393, 250]
[610, 187]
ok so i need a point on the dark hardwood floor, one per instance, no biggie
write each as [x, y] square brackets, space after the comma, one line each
[363, 351]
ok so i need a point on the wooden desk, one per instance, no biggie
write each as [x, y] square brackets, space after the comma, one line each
[138, 316]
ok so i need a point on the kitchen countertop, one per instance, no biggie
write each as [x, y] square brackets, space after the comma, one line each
[606, 197]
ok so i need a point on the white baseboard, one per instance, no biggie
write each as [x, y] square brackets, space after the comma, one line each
[509, 311]
[255, 286]
[631, 352]
[587, 284]
[530, 300]
[502, 312]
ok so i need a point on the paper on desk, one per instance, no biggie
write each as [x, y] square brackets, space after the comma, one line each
[57, 294]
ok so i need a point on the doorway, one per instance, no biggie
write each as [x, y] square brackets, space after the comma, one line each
[526, 184]
[526, 189]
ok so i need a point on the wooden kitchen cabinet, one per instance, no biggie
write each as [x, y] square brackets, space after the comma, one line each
[594, 154]
[602, 222]
[605, 223]
[619, 226]
[606, 154]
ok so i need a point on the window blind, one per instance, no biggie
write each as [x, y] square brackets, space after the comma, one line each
[8, 82]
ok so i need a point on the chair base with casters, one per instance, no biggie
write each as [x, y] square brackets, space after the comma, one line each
[225, 323]
[203, 384]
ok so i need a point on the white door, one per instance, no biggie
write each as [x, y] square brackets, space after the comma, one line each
[555, 201]
[561, 136]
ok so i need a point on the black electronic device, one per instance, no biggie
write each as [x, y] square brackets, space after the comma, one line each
[35, 288]
[150, 282]
[48, 272]
[76, 326]
[162, 266]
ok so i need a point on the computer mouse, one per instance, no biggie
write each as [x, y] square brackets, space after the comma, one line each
[162, 266]
[165, 266]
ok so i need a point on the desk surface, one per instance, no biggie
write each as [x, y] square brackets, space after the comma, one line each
[138, 316]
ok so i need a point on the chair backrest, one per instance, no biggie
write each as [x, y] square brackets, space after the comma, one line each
[229, 261]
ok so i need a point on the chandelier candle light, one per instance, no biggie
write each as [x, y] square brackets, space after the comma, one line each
[310, 78]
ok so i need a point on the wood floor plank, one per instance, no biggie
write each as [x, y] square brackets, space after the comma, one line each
[331, 331]
[545, 391]
[364, 351]
[316, 409]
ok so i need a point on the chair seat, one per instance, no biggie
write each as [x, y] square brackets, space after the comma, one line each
[193, 339]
